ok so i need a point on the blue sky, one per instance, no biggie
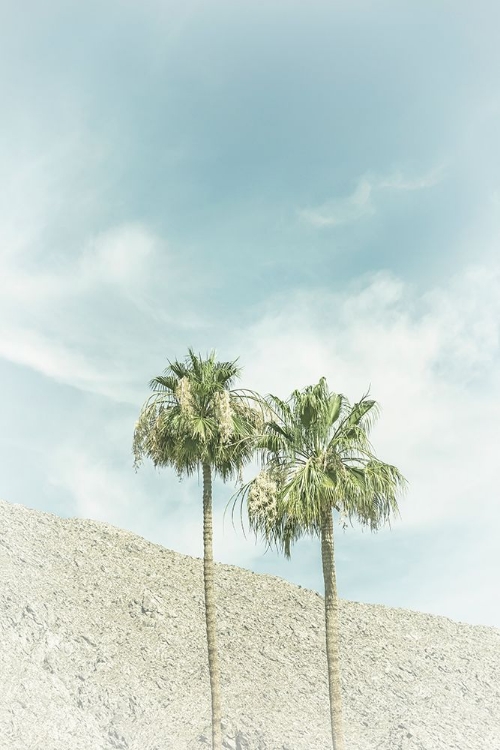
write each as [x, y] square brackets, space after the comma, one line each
[310, 187]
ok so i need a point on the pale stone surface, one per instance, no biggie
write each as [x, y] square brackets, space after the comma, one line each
[103, 648]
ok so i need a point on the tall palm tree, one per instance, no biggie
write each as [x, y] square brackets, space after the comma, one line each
[317, 458]
[192, 420]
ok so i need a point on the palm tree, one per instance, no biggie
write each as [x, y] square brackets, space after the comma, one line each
[317, 458]
[194, 420]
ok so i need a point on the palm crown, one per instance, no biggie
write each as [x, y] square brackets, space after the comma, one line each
[316, 457]
[193, 417]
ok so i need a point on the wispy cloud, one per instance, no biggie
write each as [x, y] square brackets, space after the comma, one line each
[122, 256]
[361, 202]
[60, 323]
[397, 181]
[343, 211]
[30, 348]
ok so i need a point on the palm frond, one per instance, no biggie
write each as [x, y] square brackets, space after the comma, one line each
[165, 382]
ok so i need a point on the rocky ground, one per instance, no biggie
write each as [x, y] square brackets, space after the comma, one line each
[102, 646]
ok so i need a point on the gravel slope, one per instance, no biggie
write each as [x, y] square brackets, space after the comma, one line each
[103, 646]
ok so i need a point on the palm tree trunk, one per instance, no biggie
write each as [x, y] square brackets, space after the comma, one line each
[210, 613]
[332, 631]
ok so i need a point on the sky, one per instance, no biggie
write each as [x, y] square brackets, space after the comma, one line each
[312, 188]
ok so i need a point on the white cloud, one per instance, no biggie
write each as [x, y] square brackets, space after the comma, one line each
[70, 303]
[397, 181]
[26, 347]
[122, 256]
[65, 364]
[63, 324]
[431, 361]
[362, 202]
[343, 211]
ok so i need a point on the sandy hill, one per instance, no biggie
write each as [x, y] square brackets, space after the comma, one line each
[102, 646]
